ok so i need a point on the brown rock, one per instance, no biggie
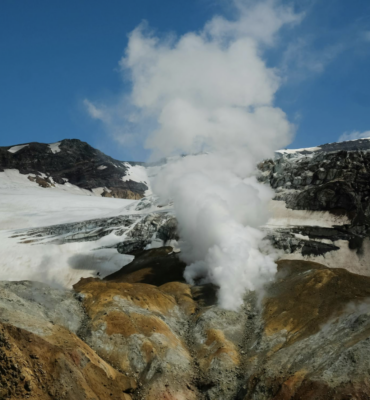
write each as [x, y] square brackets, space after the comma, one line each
[69, 367]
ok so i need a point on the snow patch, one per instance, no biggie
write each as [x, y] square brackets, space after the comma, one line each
[136, 173]
[58, 265]
[351, 260]
[98, 191]
[14, 149]
[281, 216]
[23, 204]
[101, 167]
[43, 176]
[54, 147]
[293, 151]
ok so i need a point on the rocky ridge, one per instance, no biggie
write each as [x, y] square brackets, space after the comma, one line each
[75, 162]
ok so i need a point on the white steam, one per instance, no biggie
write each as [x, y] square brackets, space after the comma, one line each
[211, 94]
[220, 205]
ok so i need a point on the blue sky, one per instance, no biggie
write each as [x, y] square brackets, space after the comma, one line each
[56, 54]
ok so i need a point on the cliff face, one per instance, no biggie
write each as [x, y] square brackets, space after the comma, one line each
[335, 181]
[330, 179]
[41, 354]
[137, 335]
[72, 161]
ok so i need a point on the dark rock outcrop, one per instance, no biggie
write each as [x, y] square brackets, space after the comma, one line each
[157, 226]
[89, 230]
[75, 162]
[333, 177]
[154, 267]
[323, 180]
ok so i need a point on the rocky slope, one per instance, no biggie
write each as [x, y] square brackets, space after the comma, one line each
[332, 178]
[142, 334]
[72, 161]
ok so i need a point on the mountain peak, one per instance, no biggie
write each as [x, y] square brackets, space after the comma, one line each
[75, 162]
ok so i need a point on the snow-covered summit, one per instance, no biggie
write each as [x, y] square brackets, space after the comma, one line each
[350, 145]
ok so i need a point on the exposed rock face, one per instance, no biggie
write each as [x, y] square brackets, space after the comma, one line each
[155, 267]
[158, 226]
[122, 193]
[335, 181]
[333, 178]
[73, 161]
[89, 230]
[141, 329]
[308, 348]
[41, 182]
[136, 335]
[41, 354]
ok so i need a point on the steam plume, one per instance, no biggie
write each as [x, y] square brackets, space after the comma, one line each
[211, 94]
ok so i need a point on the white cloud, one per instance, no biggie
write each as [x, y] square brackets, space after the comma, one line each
[354, 135]
[301, 60]
[95, 112]
[259, 20]
[118, 120]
